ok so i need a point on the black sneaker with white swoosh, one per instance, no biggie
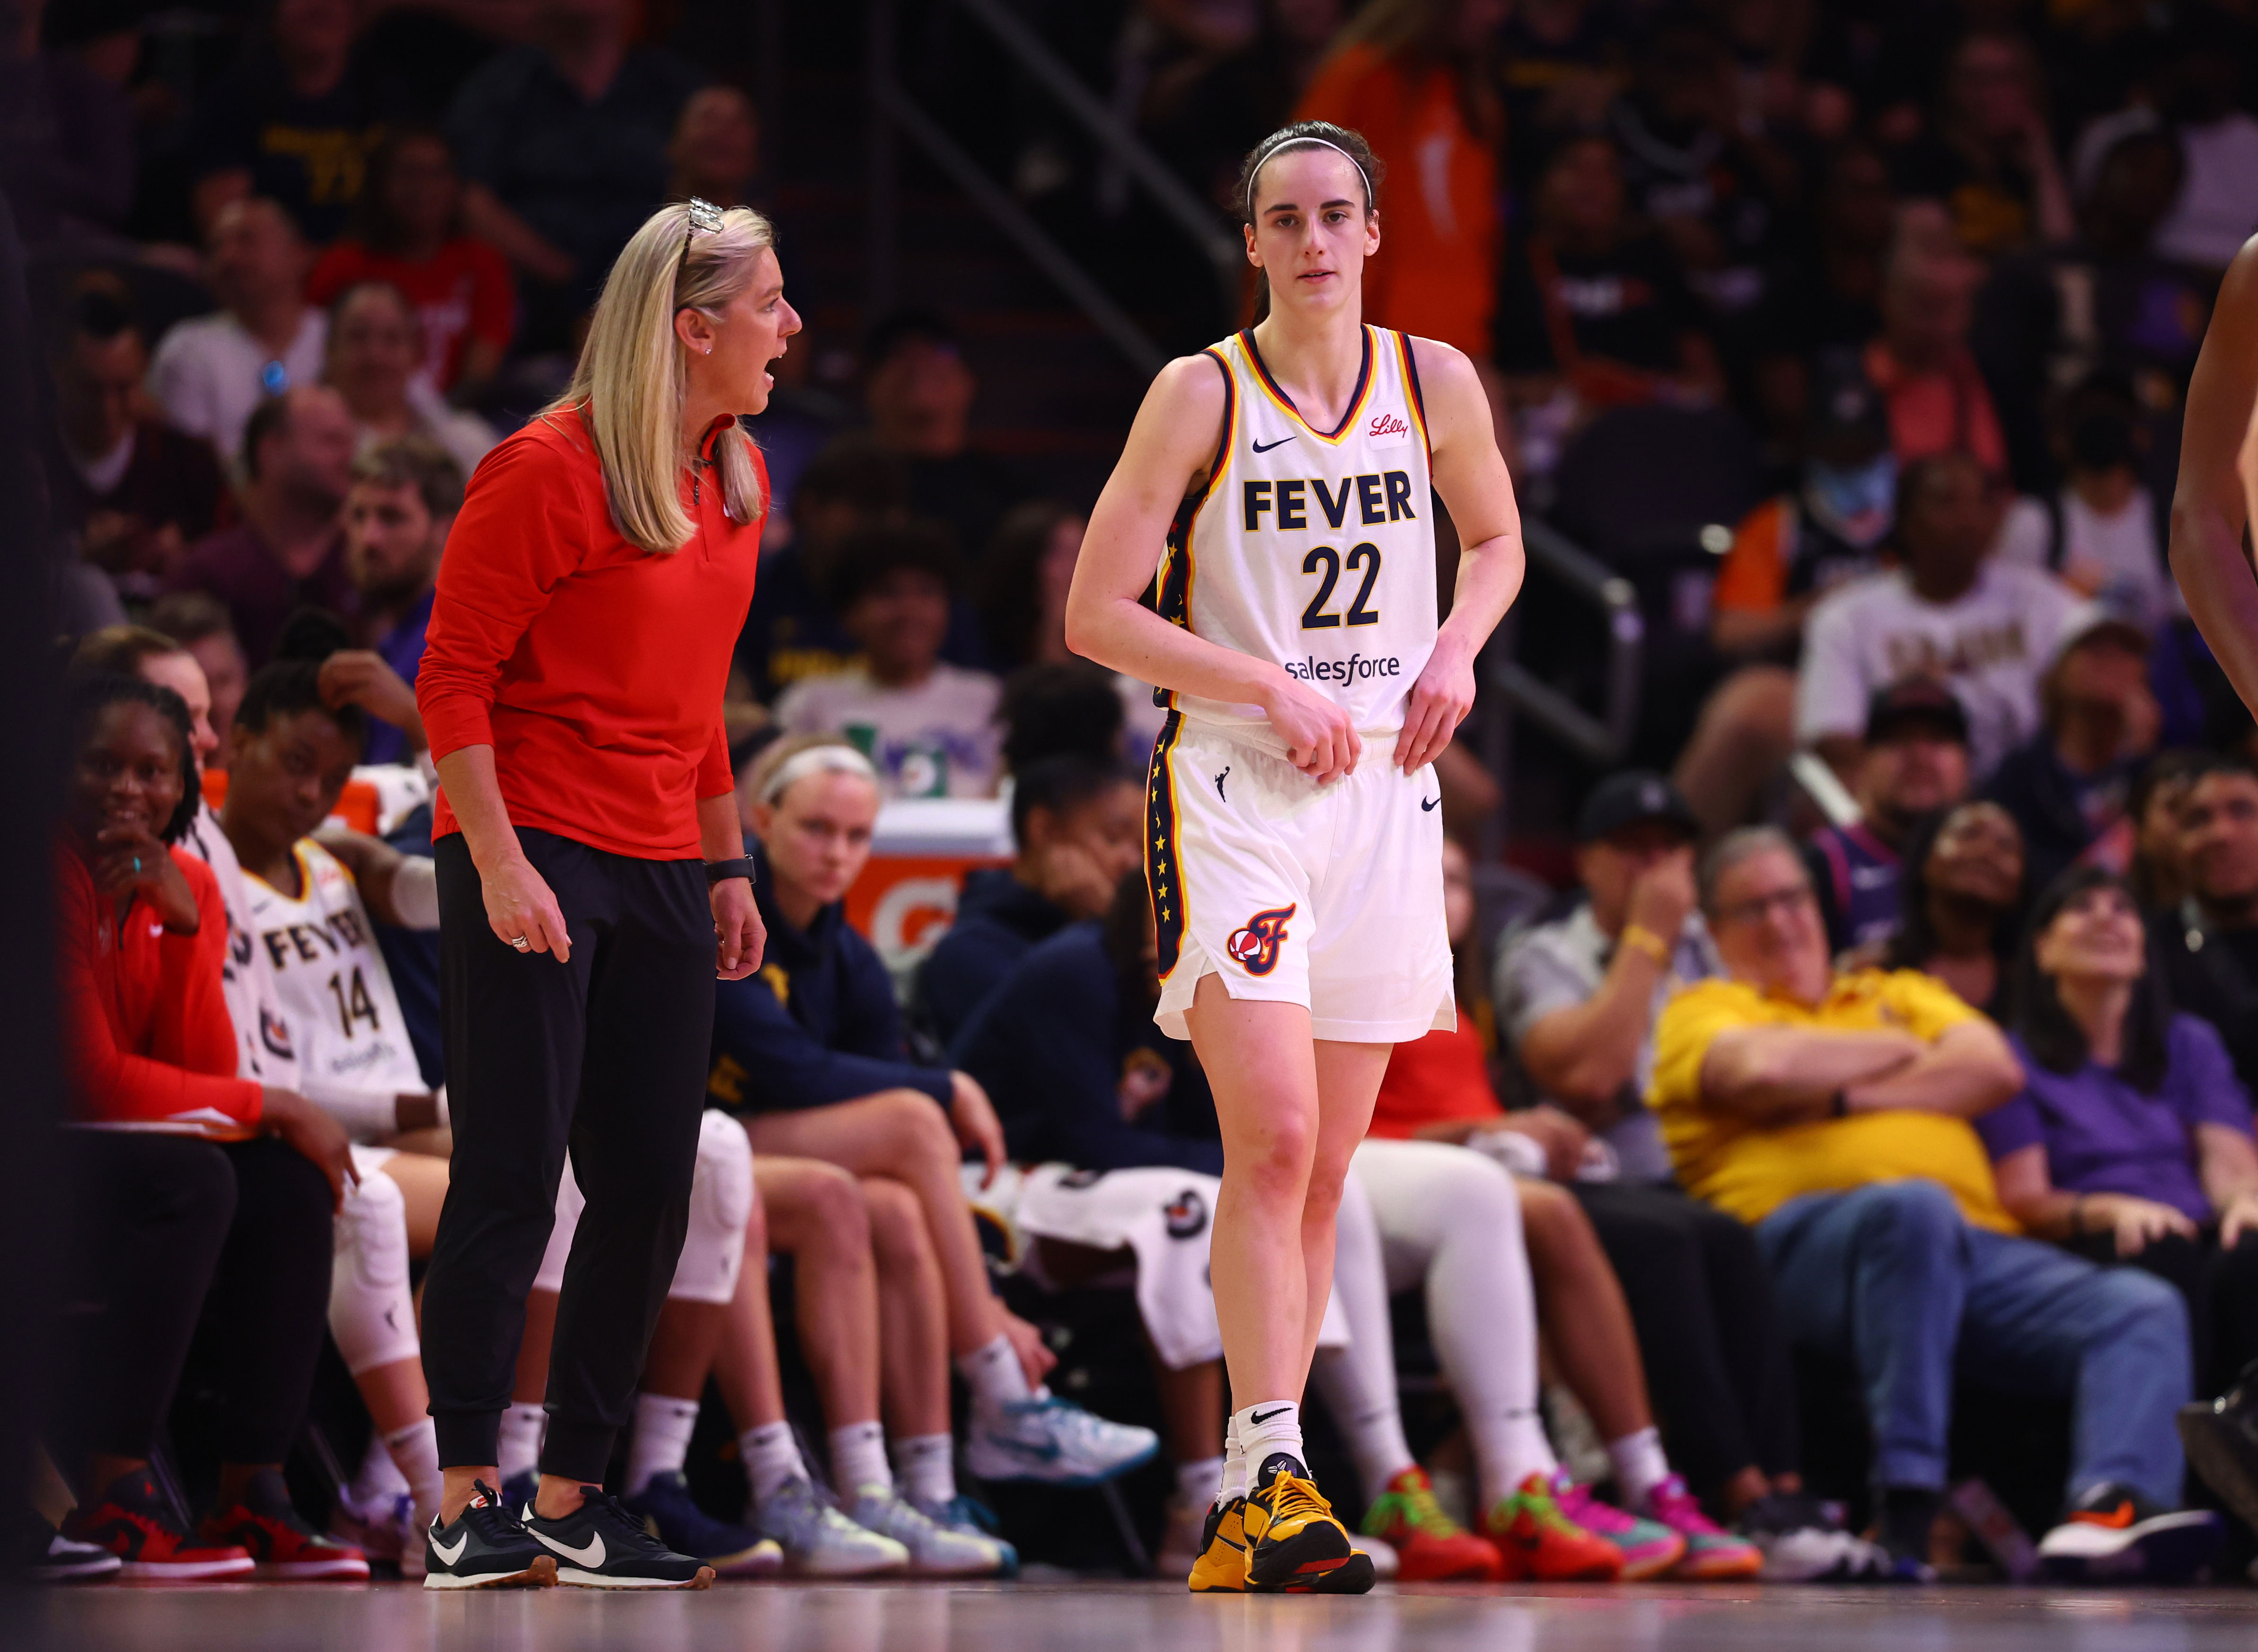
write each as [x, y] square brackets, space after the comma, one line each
[484, 1546]
[599, 1545]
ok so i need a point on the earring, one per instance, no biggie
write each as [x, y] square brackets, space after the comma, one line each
[709, 349]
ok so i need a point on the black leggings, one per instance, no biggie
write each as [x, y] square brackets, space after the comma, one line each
[607, 1053]
[1700, 1300]
[172, 1234]
[2221, 1288]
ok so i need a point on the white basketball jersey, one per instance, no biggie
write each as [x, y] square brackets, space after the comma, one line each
[262, 1036]
[330, 976]
[1312, 548]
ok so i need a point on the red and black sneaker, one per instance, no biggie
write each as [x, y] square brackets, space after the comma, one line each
[132, 1521]
[284, 1547]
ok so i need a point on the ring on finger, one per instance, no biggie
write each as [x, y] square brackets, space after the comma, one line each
[521, 944]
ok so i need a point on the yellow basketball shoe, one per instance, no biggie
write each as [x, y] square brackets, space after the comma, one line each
[1221, 1568]
[1295, 1545]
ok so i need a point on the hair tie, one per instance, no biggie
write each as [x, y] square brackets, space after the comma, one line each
[1264, 159]
[817, 759]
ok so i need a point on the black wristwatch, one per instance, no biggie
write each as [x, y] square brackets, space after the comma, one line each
[722, 870]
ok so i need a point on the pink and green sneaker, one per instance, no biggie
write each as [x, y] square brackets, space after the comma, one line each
[1711, 1552]
[1649, 1549]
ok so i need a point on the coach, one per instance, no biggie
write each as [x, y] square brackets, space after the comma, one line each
[591, 591]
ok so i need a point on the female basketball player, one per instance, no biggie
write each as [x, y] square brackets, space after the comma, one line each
[1296, 884]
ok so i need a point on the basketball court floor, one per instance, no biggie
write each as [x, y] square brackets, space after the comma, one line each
[1035, 1617]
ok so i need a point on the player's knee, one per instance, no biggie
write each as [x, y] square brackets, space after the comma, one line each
[898, 1235]
[372, 1317]
[833, 1207]
[720, 1207]
[1277, 1163]
[920, 1128]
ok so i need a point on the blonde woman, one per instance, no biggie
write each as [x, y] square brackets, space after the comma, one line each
[594, 584]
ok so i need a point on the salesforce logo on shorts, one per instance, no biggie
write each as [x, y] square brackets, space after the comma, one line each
[1355, 668]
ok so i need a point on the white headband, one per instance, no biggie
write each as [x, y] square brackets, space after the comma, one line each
[817, 759]
[1264, 159]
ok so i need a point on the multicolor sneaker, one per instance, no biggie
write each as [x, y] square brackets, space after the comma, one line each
[133, 1523]
[969, 1517]
[934, 1549]
[1711, 1552]
[1649, 1550]
[1221, 1568]
[1538, 1543]
[2115, 1533]
[668, 1513]
[1430, 1546]
[818, 1540]
[1053, 1441]
[283, 1548]
[1295, 1545]
[382, 1529]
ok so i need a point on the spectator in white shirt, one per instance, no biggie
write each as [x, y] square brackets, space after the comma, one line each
[1985, 630]
[210, 372]
[2100, 532]
[930, 728]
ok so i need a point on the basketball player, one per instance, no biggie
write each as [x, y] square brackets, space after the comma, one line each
[1293, 842]
[2212, 507]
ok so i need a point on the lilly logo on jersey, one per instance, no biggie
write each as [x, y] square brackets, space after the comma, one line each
[1255, 947]
[1386, 430]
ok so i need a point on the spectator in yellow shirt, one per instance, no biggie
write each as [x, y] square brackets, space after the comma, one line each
[1832, 1112]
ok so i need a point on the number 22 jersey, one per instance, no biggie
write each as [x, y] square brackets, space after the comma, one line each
[1308, 547]
[330, 976]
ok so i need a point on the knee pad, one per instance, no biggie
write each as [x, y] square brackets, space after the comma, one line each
[569, 1206]
[372, 1315]
[721, 1206]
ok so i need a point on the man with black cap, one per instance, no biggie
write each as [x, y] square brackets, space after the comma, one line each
[1577, 996]
[1915, 762]
[1787, 554]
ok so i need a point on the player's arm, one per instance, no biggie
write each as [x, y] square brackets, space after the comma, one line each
[400, 890]
[1470, 476]
[2210, 508]
[1173, 441]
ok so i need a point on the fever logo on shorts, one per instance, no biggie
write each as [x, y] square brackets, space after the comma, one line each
[1255, 949]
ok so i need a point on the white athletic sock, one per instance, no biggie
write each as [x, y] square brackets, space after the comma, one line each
[992, 1373]
[415, 1454]
[858, 1458]
[771, 1458]
[379, 1479]
[1508, 1452]
[660, 1441]
[1234, 1464]
[1640, 1465]
[1196, 1480]
[520, 1450]
[924, 1465]
[1271, 1428]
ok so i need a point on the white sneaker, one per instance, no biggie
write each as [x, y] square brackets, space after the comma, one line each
[384, 1529]
[1385, 1561]
[934, 1549]
[1053, 1441]
[819, 1541]
[1813, 1554]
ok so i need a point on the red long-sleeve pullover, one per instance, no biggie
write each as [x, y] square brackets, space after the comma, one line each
[594, 669]
[147, 1037]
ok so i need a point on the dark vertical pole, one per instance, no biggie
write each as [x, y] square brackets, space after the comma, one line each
[882, 206]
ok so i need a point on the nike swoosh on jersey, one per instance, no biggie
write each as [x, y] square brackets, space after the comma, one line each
[1264, 447]
[589, 1553]
[450, 1556]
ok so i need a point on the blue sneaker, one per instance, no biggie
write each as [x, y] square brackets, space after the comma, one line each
[973, 1519]
[665, 1508]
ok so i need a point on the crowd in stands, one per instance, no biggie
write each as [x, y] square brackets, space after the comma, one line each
[1890, 1053]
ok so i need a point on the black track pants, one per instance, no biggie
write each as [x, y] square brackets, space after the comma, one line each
[607, 1053]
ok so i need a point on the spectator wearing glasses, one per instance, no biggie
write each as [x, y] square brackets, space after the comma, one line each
[1832, 1111]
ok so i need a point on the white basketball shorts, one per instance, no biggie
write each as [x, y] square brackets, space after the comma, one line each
[1326, 897]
